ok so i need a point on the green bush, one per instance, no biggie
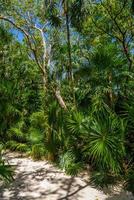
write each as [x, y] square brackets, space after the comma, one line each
[37, 152]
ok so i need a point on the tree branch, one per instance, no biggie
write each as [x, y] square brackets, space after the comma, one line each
[27, 38]
[43, 69]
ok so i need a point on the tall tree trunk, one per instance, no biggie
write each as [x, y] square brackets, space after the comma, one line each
[70, 75]
[45, 63]
[69, 69]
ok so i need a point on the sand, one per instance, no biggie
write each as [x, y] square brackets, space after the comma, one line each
[40, 180]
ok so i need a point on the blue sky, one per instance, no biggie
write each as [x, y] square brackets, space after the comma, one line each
[17, 34]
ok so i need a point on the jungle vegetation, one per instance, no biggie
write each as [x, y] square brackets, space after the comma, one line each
[67, 85]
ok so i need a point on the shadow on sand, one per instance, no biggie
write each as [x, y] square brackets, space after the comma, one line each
[36, 185]
[48, 183]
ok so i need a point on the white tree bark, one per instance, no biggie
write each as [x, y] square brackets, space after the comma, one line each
[45, 60]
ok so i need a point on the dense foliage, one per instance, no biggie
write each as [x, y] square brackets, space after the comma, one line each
[67, 85]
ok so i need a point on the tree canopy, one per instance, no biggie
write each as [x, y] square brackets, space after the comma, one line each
[67, 85]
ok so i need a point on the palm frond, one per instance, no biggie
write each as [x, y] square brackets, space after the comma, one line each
[35, 136]
[102, 179]
[104, 140]
[74, 122]
[68, 163]
[5, 172]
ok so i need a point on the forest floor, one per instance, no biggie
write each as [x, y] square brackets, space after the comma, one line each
[40, 180]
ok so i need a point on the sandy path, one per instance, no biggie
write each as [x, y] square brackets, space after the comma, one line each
[42, 181]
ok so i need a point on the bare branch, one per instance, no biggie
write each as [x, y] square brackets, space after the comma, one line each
[34, 51]
[14, 24]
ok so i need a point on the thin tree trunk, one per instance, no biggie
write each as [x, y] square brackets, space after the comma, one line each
[69, 70]
[70, 75]
[60, 99]
[111, 97]
[46, 61]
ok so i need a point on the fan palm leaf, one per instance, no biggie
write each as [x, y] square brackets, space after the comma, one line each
[104, 140]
